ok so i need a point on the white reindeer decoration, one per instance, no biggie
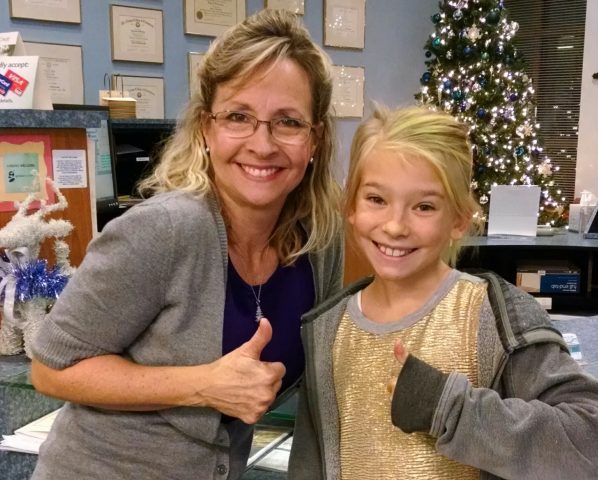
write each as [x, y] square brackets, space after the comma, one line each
[21, 238]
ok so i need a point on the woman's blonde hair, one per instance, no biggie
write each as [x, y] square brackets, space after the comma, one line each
[261, 40]
[418, 133]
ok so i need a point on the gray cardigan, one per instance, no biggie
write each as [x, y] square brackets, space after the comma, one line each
[151, 288]
[540, 411]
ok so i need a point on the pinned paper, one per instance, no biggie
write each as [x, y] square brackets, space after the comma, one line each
[514, 210]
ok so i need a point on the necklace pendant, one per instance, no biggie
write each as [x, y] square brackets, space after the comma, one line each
[258, 313]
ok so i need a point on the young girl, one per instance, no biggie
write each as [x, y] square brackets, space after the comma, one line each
[464, 406]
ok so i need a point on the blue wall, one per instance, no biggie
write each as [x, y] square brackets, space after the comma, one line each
[395, 33]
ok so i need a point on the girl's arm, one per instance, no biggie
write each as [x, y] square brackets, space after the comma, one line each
[547, 427]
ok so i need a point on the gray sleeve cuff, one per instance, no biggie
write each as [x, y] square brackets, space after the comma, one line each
[416, 396]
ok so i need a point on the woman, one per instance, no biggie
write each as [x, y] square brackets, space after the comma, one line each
[154, 342]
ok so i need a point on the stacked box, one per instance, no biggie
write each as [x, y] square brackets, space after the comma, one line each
[551, 277]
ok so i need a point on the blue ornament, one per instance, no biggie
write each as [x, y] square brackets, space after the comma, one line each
[493, 16]
[467, 51]
[513, 97]
[426, 77]
[519, 151]
[481, 113]
[436, 42]
[35, 280]
[457, 95]
[448, 84]
[436, 18]
[428, 53]
[482, 80]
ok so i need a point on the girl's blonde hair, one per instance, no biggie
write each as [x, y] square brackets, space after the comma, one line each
[420, 134]
[259, 41]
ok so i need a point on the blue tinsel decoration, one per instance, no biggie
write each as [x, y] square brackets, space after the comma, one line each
[35, 280]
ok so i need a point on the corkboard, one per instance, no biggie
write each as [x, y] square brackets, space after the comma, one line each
[79, 209]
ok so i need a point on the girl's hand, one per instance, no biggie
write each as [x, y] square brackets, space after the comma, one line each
[401, 355]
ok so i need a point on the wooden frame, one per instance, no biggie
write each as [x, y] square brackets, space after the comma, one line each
[63, 68]
[136, 34]
[200, 19]
[348, 91]
[147, 91]
[344, 23]
[65, 11]
[293, 6]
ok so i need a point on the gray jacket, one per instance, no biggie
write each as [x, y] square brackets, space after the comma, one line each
[540, 411]
[151, 288]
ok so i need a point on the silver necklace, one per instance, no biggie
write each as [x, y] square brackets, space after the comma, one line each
[258, 305]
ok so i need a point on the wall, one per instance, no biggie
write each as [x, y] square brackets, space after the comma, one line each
[396, 31]
[586, 177]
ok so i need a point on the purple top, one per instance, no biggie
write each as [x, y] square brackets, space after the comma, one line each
[285, 296]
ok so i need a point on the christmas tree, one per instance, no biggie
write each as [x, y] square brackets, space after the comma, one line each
[475, 73]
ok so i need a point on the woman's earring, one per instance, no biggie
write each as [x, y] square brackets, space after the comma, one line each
[207, 150]
[311, 160]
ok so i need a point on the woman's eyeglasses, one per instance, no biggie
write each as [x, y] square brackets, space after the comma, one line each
[291, 131]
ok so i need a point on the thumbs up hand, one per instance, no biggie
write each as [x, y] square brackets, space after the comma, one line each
[401, 354]
[241, 385]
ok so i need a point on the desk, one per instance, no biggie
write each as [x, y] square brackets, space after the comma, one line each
[19, 405]
[502, 253]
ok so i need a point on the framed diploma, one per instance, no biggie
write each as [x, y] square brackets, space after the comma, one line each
[347, 91]
[212, 17]
[147, 91]
[67, 11]
[62, 66]
[137, 34]
[294, 6]
[195, 59]
[344, 23]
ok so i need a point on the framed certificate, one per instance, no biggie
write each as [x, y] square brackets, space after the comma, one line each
[294, 6]
[347, 91]
[212, 17]
[137, 34]
[344, 23]
[67, 11]
[147, 91]
[195, 59]
[62, 66]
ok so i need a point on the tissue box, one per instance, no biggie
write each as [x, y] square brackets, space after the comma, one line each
[579, 216]
[548, 277]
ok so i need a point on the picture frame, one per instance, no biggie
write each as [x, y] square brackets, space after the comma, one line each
[194, 59]
[62, 66]
[294, 6]
[147, 91]
[64, 11]
[348, 91]
[137, 34]
[201, 17]
[344, 23]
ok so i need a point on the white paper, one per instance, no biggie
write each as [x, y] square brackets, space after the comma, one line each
[23, 85]
[70, 170]
[514, 210]
[29, 438]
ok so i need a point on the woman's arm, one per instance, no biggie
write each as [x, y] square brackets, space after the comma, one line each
[238, 384]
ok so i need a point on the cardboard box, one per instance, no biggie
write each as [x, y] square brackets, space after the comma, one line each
[548, 278]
